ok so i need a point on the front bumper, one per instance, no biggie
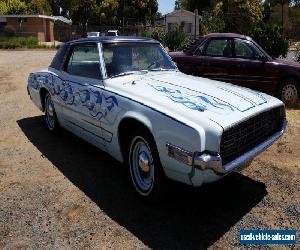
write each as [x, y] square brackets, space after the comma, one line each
[209, 161]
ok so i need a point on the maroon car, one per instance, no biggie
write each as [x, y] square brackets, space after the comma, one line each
[239, 60]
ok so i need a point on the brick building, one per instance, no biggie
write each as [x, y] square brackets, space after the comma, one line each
[39, 26]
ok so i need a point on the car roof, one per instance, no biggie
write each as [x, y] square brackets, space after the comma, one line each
[194, 44]
[114, 39]
[229, 35]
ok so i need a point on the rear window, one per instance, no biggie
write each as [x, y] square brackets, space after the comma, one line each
[58, 59]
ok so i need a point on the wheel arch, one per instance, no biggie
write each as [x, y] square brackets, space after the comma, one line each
[43, 93]
[133, 122]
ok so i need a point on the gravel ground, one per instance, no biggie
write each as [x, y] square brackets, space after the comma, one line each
[60, 192]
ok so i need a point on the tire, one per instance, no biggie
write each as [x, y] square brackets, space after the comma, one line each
[50, 115]
[289, 91]
[145, 167]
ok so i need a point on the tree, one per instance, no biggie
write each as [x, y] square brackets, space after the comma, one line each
[239, 15]
[270, 38]
[191, 5]
[177, 5]
[15, 7]
[3, 8]
[81, 11]
[39, 7]
[109, 8]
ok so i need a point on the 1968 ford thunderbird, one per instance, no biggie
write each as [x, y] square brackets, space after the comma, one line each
[125, 96]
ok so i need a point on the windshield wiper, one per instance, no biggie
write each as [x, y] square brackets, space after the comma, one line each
[129, 73]
[162, 69]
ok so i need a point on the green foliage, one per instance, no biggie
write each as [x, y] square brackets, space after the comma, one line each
[191, 5]
[15, 7]
[211, 23]
[105, 12]
[157, 33]
[39, 7]
[239, 15]
[9, 31]
[176, 39]
[3, 8]
[177, 5]
[270, 38]
[19, 42]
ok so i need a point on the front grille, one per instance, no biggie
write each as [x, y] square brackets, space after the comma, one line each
[250, 133]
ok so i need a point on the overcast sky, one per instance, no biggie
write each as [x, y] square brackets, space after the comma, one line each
[166, 6]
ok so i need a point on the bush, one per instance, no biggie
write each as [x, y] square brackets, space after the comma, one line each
[9, 31]
[19, 42]
[270, 38]
[176, 39]
[157, 33]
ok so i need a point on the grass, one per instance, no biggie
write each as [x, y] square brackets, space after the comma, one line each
[20, 42]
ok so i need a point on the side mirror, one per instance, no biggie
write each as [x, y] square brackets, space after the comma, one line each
[262, 58]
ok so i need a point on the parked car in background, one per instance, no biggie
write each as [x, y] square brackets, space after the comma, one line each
[93, 34]
[239, 60]
[113, 33]
[126, 96]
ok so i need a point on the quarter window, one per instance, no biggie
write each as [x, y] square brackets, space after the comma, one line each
[219, 47]
[84, 61]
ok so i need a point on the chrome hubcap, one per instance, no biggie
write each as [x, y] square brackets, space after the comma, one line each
[141, 166]
[289, 93]
[144, 162]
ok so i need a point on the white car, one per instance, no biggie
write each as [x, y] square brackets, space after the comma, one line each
[113, 33]
[93, 34]
[126, 96]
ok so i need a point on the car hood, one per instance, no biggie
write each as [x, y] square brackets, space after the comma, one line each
[191, 99]
[287, 63]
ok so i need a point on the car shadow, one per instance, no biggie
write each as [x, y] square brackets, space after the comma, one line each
[186, 218]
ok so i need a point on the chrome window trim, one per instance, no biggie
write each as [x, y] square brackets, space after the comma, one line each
[102, 62]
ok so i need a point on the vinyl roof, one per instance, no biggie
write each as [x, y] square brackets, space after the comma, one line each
[109, 39]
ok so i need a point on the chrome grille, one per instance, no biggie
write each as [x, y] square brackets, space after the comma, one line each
[250, 133]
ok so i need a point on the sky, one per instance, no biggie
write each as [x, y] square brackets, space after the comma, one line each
[166, 6]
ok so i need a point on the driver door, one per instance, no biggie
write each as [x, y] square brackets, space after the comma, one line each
[250, 66]
[82, 92]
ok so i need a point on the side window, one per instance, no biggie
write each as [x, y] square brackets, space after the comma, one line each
[84, 61]
[243, 49]
[219, 47]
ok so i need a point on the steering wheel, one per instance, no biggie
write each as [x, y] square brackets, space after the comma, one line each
[154, 63]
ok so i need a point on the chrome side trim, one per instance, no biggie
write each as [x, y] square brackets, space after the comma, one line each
[179, 154]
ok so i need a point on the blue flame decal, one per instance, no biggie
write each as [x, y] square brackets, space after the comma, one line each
[195, 102]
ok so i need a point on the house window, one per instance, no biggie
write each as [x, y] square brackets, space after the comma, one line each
[171, 26]
[188, 28]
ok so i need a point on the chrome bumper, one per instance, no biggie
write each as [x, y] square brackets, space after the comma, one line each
[206, 161]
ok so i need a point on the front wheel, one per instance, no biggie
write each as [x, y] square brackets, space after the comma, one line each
[289, 91]
[50, 115]
[144, 164]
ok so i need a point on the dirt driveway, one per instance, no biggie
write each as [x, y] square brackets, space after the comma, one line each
[60, 192]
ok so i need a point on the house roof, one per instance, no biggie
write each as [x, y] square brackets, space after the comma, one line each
[181, 11]
[54, 18]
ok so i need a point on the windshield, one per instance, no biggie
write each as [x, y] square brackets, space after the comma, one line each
[120, 58]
